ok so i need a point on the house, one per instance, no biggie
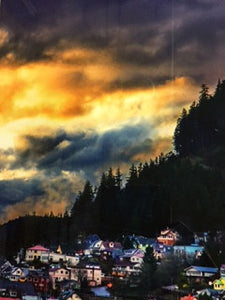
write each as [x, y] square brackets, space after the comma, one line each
[134, 255]
[188, 251]
[100, 245]
[5, 268]
[39, 280]
[168, 237]
[37, 252]
[17, 274]
[56, 257]
[199, 273]
[161, 250]
[58, 274]
[14, 290]
[124, 268]
[72, 260]
[89, 271]
[219, 284]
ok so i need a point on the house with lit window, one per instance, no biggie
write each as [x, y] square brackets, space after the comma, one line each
[89, 271]
[199, 273]
[18, 274]
[219, 284]
[58, 275]
[17, 290]
[124, 268]
[134, 255]
[168, 237]
[39, 280]
[37, 252]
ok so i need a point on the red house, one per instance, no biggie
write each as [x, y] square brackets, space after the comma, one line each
[39, 280]
[168, 237]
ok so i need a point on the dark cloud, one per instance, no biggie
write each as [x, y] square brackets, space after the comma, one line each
[85, 150]
[16, 190]
[37, 147]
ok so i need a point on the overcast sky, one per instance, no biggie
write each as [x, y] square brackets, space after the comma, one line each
[92, 84]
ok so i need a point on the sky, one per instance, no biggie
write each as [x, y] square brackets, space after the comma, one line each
[91, 84]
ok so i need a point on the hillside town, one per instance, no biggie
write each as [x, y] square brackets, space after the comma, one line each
[92, 270]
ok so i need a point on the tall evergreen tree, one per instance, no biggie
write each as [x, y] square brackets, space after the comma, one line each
[148, 272]
[81, 211]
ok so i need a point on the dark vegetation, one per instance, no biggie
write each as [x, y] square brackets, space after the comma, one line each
[187, 185]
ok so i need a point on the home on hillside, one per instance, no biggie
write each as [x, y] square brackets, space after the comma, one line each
[124, 268]
[5, 268]
[168, 237]
[17, 274]
[39, 279]
[190, 252]
[87, 271]
[111, 250]
[134, 255]
[58, 274]
[17, 290]
[161, 250]
[100, 245]
[198, 273]
[37, 252]
[219, 284]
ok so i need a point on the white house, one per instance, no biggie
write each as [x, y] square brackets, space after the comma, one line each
[37, 252]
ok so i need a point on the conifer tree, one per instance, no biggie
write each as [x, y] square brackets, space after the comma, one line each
[82, 208]
[148, 272]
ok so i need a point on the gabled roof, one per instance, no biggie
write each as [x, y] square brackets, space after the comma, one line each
[134, 252]
[38, 248]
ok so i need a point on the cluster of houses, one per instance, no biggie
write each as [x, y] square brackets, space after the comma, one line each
[41, 272]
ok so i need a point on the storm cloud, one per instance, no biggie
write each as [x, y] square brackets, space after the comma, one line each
[74, 152]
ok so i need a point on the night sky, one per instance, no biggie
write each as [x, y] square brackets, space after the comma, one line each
[92, 84]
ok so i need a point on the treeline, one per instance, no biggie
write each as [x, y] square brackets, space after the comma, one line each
[156, 194]
[201, 129]
[187, 185]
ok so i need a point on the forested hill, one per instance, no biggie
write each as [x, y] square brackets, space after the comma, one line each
[187, 186]
[201, 130]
